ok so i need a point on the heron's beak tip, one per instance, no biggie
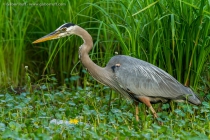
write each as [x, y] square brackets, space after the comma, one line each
[39, 40]
[35, 42]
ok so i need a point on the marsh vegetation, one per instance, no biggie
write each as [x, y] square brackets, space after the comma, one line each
[45, 82]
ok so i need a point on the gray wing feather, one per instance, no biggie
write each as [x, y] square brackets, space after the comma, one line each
[145, 79]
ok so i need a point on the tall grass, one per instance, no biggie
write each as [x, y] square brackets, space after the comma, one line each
[13, 43]
[174, 35]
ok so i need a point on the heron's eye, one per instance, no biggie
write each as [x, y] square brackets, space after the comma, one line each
[63, 29]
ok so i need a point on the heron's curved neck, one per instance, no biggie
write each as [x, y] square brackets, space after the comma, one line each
[88, 42]
[94, 69]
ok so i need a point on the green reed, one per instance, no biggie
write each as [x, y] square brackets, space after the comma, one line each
[170, 34]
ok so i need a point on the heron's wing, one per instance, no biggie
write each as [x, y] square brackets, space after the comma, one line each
[144, 79]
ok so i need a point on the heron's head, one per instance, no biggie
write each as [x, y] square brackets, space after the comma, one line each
[62, 31]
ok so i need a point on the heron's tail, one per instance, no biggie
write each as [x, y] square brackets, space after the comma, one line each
[193, 97]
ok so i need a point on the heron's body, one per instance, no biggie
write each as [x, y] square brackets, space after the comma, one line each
[142, 79]
[136, 79]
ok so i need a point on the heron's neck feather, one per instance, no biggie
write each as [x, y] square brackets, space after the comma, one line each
[96, 71]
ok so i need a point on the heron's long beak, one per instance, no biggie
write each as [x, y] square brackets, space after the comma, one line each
[50, 36]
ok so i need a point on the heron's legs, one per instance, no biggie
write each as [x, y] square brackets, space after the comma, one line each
[136, 110]
[146, 101]
[153, 111]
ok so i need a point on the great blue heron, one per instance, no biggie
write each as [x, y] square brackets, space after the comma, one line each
[136, 79]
